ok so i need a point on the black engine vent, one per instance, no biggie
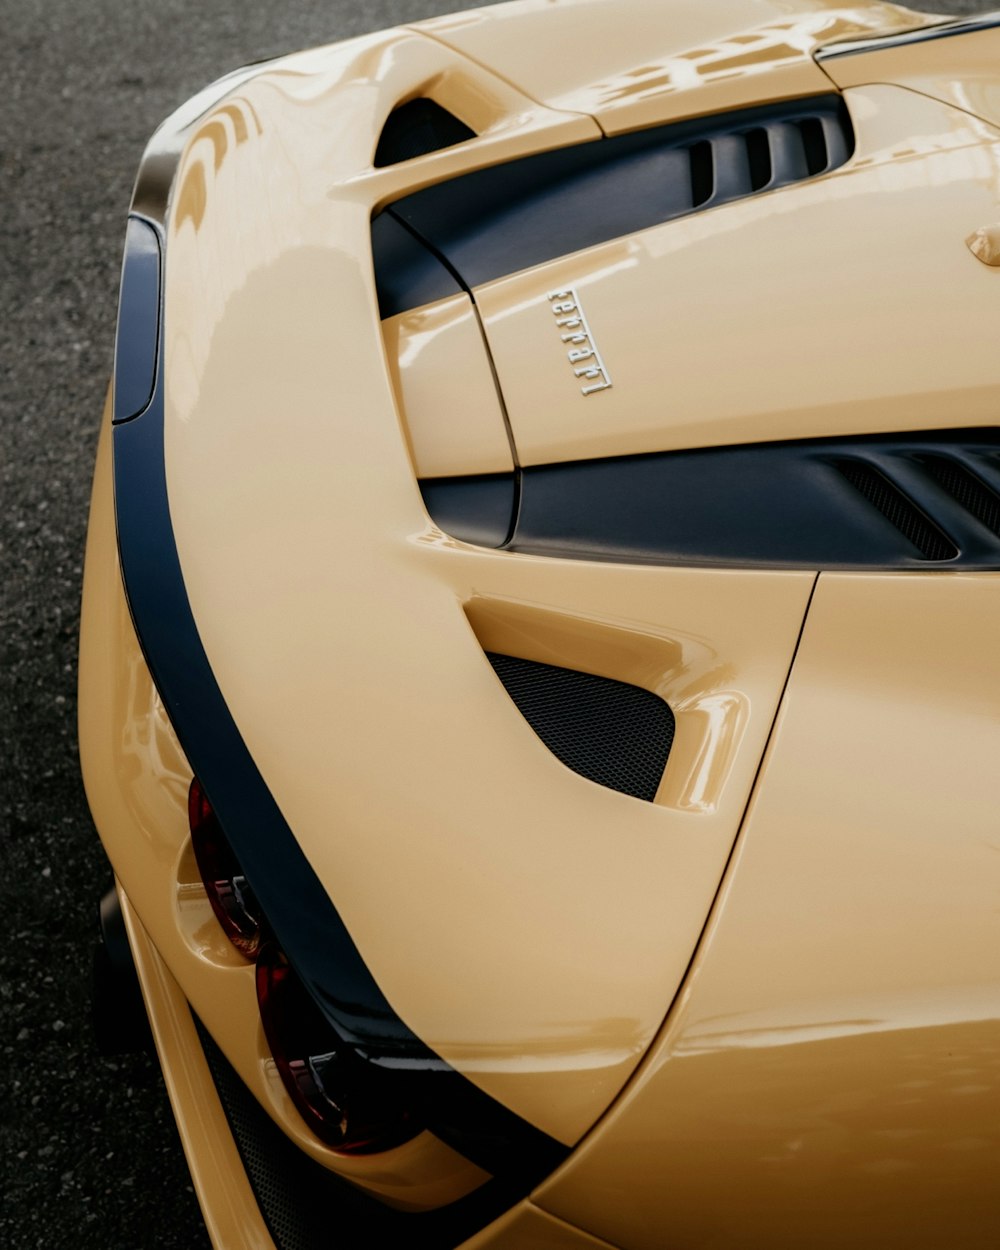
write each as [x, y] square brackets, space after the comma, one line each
[416, 128]
[973, 495]
[492, 222]
[608, 731]
[898, 510]
[898, 501]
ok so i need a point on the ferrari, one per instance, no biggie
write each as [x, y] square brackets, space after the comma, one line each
[539, 666]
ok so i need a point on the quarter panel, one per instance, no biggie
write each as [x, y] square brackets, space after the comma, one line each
[831, 1073]
[529, 925]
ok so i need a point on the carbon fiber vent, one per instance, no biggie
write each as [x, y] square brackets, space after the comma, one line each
[898, 511]
[608, 731]
[971, 494]
[305, 1206]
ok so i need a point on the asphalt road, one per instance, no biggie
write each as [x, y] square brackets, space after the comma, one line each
[88, 1152]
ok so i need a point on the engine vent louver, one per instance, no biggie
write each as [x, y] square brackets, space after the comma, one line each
[898, 510]
[731, 166]
[902, 501]
[493, 222]
[967, 490]
[416, 128]
[610, 732]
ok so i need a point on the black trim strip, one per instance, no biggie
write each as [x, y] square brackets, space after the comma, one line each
[767, 505]
[885, 43]
[479, 510]
[407, 274]
[292, 897]
[138, 336]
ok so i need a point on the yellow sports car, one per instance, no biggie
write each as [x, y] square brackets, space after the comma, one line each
[540, 661]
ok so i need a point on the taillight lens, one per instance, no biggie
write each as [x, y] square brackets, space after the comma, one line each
[338, 1095]
[227, 888]
[334, 1092]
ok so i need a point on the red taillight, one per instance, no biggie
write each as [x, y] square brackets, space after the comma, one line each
[231, 897]
[337, 1094]
[333, 1091]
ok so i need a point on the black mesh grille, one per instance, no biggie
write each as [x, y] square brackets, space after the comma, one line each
[898, 510]
[307, 1207]
[967, 490]
[608, 731]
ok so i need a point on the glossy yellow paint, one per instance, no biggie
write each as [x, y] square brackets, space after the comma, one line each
[831, 1074]
[807, 1068]
[807, 296]
[446, 391]
[526, 1227]
[137, 781]
[959, 69]
[984, 244]
[635, 63]
[356, 707]
[232, 1218]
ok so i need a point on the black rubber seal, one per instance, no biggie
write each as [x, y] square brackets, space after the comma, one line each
[886, 43]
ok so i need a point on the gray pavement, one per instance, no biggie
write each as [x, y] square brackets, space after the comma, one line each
[88, 1153]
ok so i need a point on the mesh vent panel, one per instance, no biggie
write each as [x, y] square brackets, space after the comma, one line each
[972, 494]
[608, 731]
[898, 510]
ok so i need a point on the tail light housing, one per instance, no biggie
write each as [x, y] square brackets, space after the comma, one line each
[228, 890]
[336, 1094]
[341, 1097]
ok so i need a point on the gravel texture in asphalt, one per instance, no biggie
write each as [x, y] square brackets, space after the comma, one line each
[89, 1153]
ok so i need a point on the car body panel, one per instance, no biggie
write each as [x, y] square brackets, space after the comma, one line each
[959, 69]
[454, 419]
[531, 927]
[137, 781]
[318, 506]
[835, 1075]
[692, 370]
[232, 1218]
[637, 64]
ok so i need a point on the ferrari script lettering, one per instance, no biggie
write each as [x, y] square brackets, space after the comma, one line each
[581, 349]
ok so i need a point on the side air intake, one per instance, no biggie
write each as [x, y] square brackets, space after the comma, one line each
[607, 731]
[496, 221]
[416, 128]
